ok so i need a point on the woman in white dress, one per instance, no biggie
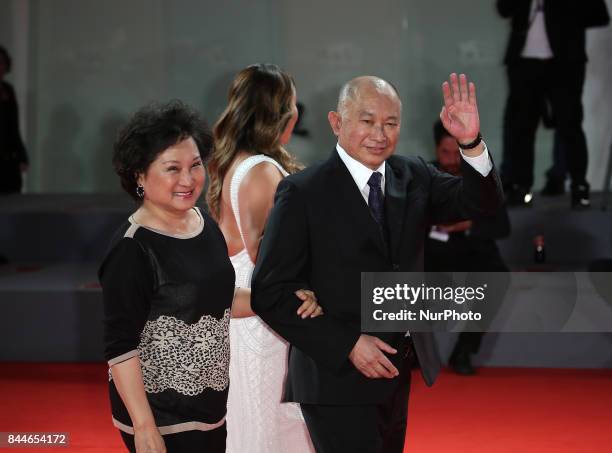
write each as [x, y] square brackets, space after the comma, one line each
[247, 164]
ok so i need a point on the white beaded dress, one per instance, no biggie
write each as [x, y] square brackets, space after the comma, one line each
[257, 421]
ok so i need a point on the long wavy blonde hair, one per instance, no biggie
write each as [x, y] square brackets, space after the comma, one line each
[258, 111]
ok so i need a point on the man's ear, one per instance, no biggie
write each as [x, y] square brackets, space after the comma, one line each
[335, 121]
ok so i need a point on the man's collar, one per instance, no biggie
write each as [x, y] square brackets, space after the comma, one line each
[360, 173]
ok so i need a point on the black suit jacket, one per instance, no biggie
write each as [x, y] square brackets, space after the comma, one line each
[321, 235]
[490, 226]
[566, 21]
[12, 148]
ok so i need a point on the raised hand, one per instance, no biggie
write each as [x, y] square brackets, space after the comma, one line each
[460, 112]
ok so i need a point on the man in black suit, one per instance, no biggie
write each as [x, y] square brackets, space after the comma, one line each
[465, 246]
[546, 62]
[364, 209]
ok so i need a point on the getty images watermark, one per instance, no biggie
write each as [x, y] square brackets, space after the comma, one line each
[486, 301]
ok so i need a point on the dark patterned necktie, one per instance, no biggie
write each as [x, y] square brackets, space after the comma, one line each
[376, 198]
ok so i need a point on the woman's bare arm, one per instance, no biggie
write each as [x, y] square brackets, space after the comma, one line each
[241, 308]
[128, 381]
[255, 200]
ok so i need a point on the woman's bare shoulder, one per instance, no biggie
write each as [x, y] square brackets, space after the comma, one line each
[263, 177]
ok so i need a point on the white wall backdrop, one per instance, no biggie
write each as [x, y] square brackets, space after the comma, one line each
[82, 66]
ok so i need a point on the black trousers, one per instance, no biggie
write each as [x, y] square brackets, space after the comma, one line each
[473, 255]
[10, 177]
[558, 170]
[379, 428]
[532, 84]
[468, 342]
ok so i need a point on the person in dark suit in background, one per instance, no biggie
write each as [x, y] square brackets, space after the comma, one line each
[364, 209]
[466, 246]
[546, 61]
[13, 155]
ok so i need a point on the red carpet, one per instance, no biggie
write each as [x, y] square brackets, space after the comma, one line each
[499, 410]
[513, 410]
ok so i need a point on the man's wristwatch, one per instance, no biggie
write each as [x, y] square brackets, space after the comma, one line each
[471, 145]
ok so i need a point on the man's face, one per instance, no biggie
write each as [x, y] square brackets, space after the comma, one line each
[448, 155]
[369, 128]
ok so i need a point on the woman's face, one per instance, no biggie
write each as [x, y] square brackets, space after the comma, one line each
[175, 179]
[286, 135]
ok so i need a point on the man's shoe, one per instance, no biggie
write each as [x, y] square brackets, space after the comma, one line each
[518, 196]
[553, 188]
[461, 363]
[581, 198]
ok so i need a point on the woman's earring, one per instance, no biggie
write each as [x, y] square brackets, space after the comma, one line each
[140, 191]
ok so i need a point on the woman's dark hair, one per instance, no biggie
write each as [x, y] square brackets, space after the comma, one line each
[153, 129]
[7, 58]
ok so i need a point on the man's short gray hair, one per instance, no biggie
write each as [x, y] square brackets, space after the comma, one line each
[350, 90]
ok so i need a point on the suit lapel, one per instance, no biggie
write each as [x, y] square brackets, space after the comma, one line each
[396, 187]
[353, 206]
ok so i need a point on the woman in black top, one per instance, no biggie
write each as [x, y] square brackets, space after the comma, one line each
[13, 156]
[169, 291]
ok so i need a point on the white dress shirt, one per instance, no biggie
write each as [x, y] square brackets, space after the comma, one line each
[537, 44]
[481, 163]
[361, 174]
